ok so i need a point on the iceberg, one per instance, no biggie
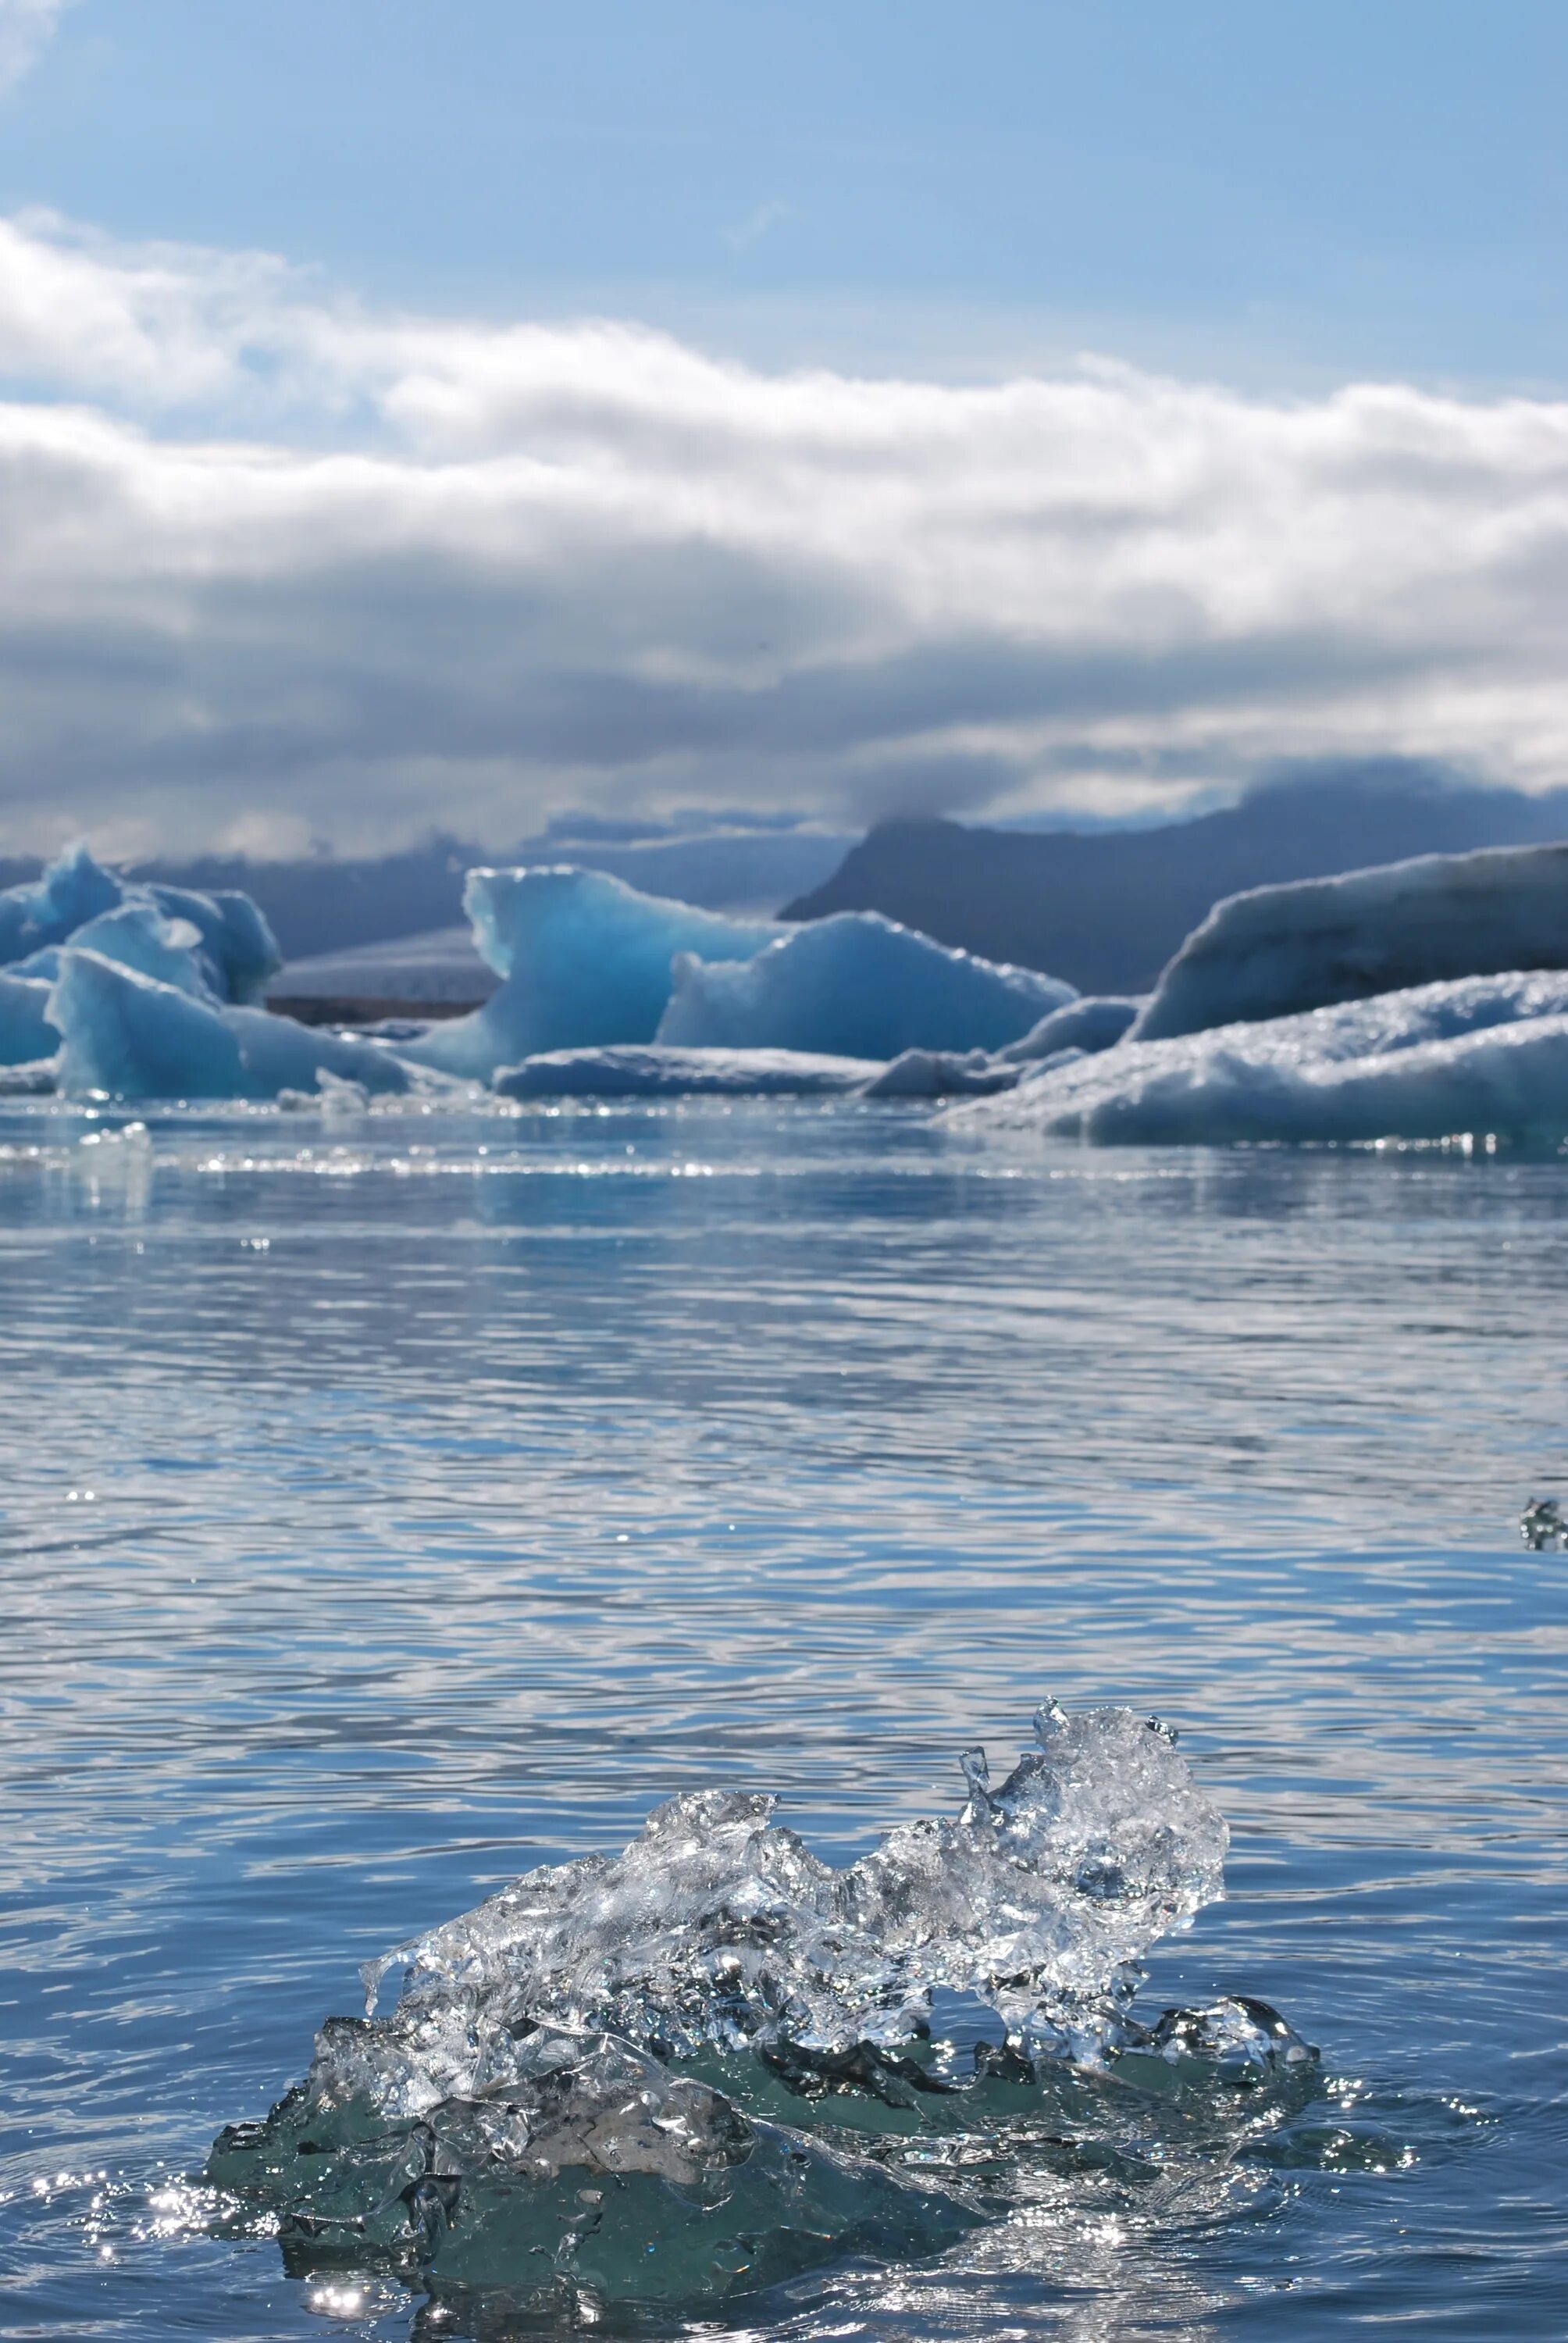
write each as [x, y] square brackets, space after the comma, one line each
[1096, 1021]
[236, 948]
[656, 1071]
[70, 891]
[137, 935]
[939, 1073]
[125, 1035]
[26, 1032]
[855, 985]
[583, 959]
[1276, 950]
[687, 2071]
[230, 950]
[1484, 1054]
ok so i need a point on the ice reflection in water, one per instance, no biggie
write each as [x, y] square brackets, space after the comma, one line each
[444, 1519]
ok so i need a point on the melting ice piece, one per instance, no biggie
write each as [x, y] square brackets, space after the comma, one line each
[718, 1926]
[855, 985]
[1543, 1526]
[644, 2078]
[584, 959]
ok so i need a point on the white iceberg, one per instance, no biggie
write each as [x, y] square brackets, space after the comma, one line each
[125, 1035]
[652, 1071]
[1276, 950]
[855, 985]
[584, 959]
[1484, 1054]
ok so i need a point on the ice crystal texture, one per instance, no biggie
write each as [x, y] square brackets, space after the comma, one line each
[717, 1925]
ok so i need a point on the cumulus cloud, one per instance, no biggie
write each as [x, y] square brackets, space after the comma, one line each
[26, 27]
[273, 564]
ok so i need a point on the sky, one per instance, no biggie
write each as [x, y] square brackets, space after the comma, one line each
[420, 414]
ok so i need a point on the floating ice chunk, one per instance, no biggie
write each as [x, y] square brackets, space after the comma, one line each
[1276, 950]
[857, 985]
[128, 1035]
[585, 960]
[1486, 1054]
[26, 1032]
[71, 891]
[440, 966]
[520, 2121]
[939, 1073]
[655, 1071]
[1094, 1023]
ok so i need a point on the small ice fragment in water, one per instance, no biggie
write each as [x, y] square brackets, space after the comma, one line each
[647, 2019]
[1544, 1527]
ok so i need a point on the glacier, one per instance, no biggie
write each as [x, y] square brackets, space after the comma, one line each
[854, 985]
[688, 2071]
[583, 959]
[654, 1071]
[1277, 951]
[126, 1035]
[1483, 1054]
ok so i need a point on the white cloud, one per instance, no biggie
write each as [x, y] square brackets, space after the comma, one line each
[270, 560]
[27, 28]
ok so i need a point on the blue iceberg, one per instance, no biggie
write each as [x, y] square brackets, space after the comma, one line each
[26, 1032]
[584, 959]
[126, 1035]
[855, 985]
[219, 945]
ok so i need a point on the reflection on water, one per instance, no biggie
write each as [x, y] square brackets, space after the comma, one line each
[393, 1503]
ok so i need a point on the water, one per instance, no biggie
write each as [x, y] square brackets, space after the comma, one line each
[394, 1504]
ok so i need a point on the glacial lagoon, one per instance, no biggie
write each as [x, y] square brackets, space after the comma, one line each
[401, 1501]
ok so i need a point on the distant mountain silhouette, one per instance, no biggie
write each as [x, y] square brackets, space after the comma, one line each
[1107, 910]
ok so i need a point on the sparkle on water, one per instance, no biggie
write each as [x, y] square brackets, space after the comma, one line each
[398, 1505]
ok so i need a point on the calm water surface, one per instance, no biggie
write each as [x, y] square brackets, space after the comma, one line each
[391, 1504]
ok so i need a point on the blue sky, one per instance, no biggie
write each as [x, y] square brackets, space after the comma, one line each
[1276, 189]
[468, 413]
